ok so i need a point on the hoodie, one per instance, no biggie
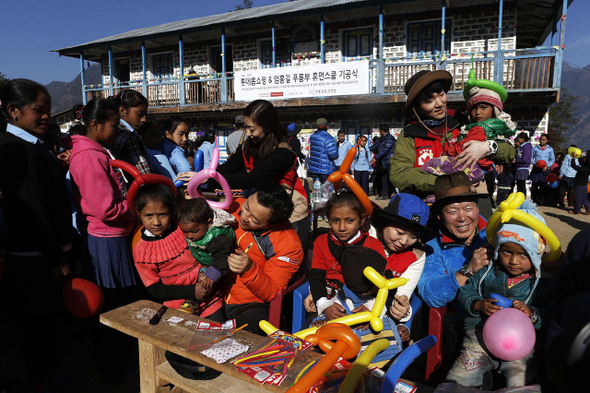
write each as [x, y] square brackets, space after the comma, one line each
[97, 189]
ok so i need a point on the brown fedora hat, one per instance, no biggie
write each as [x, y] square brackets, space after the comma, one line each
[423, 78]
[454, 185]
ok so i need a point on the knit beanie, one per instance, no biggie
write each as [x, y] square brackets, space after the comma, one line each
[479, 94]
[517, 232]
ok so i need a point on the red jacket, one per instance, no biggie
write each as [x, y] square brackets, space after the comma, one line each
[271, 270]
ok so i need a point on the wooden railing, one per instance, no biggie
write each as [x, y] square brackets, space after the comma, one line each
[521, 70]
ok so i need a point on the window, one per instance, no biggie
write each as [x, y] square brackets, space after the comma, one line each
[216, 59]
[163, 66]
[424, 37]
[358, 43]
[282, 52]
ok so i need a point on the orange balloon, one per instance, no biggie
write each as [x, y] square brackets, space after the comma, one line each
[347, 345]
[359, 192]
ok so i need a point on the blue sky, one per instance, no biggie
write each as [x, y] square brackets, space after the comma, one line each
[30, 29]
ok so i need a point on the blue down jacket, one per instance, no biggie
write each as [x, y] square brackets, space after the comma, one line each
[322, 153]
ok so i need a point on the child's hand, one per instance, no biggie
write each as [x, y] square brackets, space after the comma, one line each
[319, 323]
[334, 311]
[200, 292]
[404, 333]
[361, 308]
[207, 283]
[400, 307]
[309, 304]
[520, 305]
[486, 306]
[185, 176]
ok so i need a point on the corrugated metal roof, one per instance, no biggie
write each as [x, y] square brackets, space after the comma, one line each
[220, 19]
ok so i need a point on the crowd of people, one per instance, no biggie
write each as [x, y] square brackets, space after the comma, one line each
[438, 177]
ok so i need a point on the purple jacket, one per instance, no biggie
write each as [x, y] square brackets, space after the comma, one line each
[98, 189]
[524, 154]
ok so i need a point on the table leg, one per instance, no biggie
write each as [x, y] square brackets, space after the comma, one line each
[149, 357]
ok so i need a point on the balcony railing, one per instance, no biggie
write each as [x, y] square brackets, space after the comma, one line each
[518, 70]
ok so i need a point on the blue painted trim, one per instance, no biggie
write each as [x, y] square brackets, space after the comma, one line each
[559, 56]
[144, 69]
[223, 89]
[83, 78]
[498, 56]
[322, 41]
[182, 97]
[111, 71]
[380, 77]
[443, 31]
[273, 48]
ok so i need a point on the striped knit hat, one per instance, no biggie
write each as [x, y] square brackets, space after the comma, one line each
[479, 94]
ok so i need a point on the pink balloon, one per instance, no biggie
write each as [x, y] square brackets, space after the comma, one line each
[509, 334]
[210, 173]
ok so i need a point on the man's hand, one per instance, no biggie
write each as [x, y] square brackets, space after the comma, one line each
[486, 306]
[400, 307]
[239, 262]
[471, 154]
[480, 258]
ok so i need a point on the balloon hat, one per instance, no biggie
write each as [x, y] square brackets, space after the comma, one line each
[342, 174]
[140, 180]
[508, 210]
[484, 84]
[211, 173]
[373, 316]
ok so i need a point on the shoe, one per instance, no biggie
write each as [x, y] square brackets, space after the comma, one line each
[381, 198]
[587, 213]
[573, 212]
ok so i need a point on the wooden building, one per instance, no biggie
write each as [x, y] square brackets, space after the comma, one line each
[199, 68]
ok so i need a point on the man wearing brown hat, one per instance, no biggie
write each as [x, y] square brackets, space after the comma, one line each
[462, 248]
[322, 152]
[429, 124]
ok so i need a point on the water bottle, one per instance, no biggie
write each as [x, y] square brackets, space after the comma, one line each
[317, 191]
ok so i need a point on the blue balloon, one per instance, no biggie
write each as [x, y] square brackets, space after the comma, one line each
[501, 300]
[554, 185]
[199, 161]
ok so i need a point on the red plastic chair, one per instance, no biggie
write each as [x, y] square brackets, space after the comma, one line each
[434, 357]
[276, 305]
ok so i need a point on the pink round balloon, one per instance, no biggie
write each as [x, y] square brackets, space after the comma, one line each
[509, 334]
[211, 173]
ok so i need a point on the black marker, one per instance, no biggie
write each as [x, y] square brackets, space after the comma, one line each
[156, 318]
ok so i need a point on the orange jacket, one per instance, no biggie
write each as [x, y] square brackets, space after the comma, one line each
[271, 270]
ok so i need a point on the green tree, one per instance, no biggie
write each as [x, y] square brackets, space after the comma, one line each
[244, 5]
[3, 79]
[561, 118]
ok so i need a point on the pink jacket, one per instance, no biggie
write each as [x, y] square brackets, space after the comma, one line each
[97, 188]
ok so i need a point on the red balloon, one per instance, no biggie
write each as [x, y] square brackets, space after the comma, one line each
[83, 298]
[541, 164]
[552, 177]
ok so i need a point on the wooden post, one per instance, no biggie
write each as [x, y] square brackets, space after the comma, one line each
[559, 53]
[322, 40]
[274, 54]
[499, 56]
[150, 356]
[442, 65]
[380, 77]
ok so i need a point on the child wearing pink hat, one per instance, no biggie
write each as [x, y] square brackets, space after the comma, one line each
[489, 122]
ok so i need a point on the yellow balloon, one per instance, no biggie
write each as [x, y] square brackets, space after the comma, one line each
[574, 152]
[373, 316]
[267, 327]
[508, 210]
[360, 365]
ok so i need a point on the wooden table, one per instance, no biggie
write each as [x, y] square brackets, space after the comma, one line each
[155, 372]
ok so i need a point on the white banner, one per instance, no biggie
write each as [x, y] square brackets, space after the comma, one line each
[320, 80]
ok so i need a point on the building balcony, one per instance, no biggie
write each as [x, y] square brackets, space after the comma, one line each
[520, 71]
